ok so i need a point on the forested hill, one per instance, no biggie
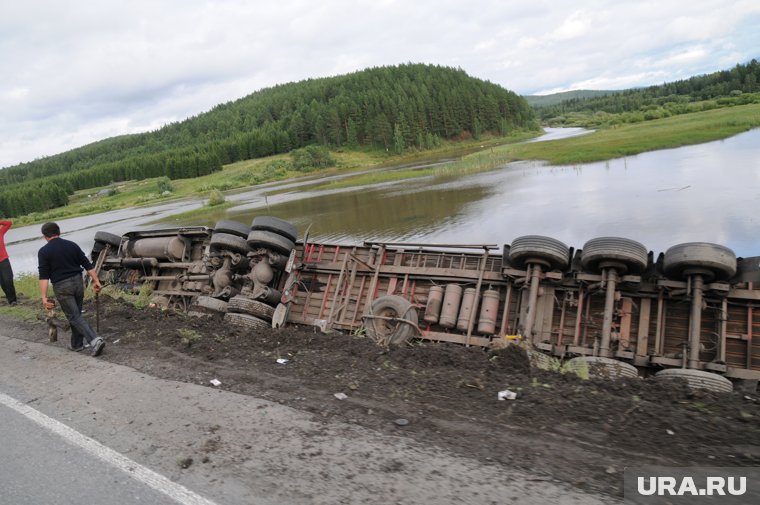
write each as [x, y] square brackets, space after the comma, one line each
[400, 107]
[556, 98]
[736, 86]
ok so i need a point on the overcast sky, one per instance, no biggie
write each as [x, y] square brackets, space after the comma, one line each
[78, 71]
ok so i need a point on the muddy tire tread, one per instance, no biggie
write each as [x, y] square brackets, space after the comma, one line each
[243, 305]
[697, 379]
[247, 321]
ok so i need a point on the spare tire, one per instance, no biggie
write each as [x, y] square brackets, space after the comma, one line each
[392, 332]
[270, 240]
[243, 305]
[697, 379]
[247, 321]
[107, 238]
[275, 225]
[711, 260]
[601, 368]
[538, 249]
[229, 242]
[231, 227]
[622, 253]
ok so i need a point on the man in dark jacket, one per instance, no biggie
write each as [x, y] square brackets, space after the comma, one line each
[6, 272]
[61, 262]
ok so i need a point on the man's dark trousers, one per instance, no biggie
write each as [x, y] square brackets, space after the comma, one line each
[70, 295]
[6, 280]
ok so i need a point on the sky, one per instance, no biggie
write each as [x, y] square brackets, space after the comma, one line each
[79, 71]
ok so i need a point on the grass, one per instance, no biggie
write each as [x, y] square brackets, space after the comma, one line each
[627, 140]
[188, 336]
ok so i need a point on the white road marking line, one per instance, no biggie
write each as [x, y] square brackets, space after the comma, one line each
[138, 472]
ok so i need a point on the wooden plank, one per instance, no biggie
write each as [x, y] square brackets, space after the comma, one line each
[625, 322]
[642, 339]
[455, 338]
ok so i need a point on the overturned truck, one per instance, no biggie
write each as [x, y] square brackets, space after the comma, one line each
[691, 313]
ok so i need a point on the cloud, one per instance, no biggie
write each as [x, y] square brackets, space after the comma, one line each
[74, 72]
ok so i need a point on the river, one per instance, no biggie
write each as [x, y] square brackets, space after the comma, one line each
[707, 192]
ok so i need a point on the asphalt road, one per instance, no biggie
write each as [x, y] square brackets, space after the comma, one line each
[40, 467]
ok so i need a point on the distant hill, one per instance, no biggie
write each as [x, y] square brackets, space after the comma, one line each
[556, 98]
[398, 107]
[735, 86]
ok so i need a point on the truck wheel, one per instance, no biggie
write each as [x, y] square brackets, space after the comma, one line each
[697, 379]
[712, 260]
[107, 238]
[243, 305]
[229, 242]
[231, 227]
[388, 331]
[275, 225]
[535, 248]
[622, 253]
[246, 321]
[270, 240]
[601, 368]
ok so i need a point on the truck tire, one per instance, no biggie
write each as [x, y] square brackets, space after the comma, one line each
[270, 240]
[231, 227]
[243, 305]
[531, 248]
[105, 237]
[247, 321]
[229, 242]
[625, 254]
[275, 225]
[697, 379]
[601, 368]
[712, 260]
[388, 331]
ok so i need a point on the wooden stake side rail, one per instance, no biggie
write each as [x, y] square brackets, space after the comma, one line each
[337, 284]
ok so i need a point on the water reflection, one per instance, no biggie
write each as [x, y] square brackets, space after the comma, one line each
[414, 209]
[708, 192]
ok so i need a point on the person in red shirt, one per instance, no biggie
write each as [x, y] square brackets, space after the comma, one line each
[6, 272]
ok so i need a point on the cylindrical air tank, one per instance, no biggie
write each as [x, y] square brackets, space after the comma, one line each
[450, 307]
[434, 302]
[489, 307]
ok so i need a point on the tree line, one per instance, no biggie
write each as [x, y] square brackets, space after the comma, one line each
[395, 108]
[739, 85]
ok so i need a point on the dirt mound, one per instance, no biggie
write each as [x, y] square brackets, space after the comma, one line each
[559, 426]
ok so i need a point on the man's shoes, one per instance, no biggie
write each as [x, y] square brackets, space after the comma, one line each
[76, 349]
[13, 303]
[97, 346]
